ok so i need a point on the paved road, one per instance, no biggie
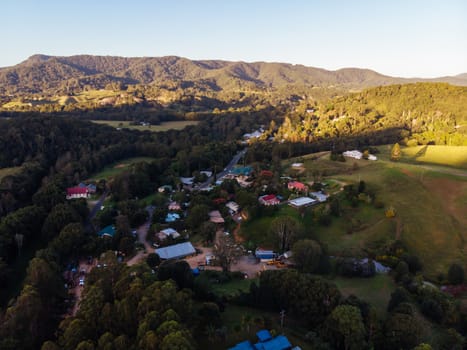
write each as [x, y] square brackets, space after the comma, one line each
[95, 209]
[226, 170]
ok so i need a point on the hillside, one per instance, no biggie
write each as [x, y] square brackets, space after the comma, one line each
[58, 75]
[423, 113]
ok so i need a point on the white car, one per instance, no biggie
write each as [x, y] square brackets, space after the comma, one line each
[81, 282]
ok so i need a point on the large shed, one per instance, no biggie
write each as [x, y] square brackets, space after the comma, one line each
[176, 251]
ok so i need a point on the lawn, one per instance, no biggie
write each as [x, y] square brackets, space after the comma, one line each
[232, 287]
[376, 290]
[258, 231]
[453, 156]
[164, 126]
[118, 167]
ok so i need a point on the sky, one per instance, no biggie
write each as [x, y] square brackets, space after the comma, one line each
[406, 38]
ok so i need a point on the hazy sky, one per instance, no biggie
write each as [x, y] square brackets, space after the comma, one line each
[396, 37]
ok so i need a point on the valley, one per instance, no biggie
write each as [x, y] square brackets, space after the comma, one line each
[228, 198]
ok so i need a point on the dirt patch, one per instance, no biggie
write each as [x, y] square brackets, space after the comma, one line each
[407, 172]
[121, 165]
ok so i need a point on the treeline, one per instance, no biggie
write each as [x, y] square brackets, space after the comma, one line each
[424, 113]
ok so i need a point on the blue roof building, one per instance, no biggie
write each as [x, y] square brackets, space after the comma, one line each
[108, 231]
[266, 342]
[244, 170]
[171, 217]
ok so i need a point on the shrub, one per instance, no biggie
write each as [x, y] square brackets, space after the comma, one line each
[456, 274]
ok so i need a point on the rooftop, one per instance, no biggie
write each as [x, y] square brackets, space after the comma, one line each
[176, 251]
[301, 201]
[108, 231]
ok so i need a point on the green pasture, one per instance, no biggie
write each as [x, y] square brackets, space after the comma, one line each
[164, 126]
[375, 290]
[453, 156]
[118, 167]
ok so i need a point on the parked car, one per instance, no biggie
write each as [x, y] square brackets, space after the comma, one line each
[81, 282]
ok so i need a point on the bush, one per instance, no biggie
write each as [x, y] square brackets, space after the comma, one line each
[390, 212]
[456, 274]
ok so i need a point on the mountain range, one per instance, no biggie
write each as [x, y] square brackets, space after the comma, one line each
[55, 74]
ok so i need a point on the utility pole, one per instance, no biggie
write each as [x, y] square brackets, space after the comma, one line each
[282, 313]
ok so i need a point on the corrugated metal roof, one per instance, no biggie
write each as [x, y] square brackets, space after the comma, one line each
[176, 251]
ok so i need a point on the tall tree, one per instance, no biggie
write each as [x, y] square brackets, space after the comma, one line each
[306, 255]
[345, 328]
[396, 152]
[287, 229]
[227, 251]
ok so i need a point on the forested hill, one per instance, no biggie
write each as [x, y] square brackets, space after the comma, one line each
[420, 113]
[50, 74]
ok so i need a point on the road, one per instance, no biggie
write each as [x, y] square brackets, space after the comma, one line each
[142, 232]
[95, 209]
[226, 170]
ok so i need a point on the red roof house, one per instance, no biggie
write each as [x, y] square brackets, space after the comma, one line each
[269, 199]
[297, 186]
[266, 173]
[77, 192]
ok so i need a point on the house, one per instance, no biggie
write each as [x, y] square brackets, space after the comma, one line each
[358, 155]
[168, 232]
[188, 181]
[242, 181]
[108, 231]
[297, 186]
[254, 135]
[77, 192]
[353, 154]
[242, 170]
[206, 172]
[171, 217]
[176, 251]
[301, 202]
[216, 217]
[266, 342]
[269, 199]
[91, 187]
[233, 207]
[264, 255]
[165, 189]
[320, 196]
[174, 206]
[266, 173]
[219, 200]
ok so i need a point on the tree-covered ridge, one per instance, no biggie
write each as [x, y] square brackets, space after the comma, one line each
[423, 113]
[41, 73]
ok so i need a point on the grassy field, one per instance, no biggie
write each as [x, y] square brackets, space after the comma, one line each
[259, 232]
[232, 287]
[430, 201]
[172, 125]
[118, 167]
[376, 290]
[453, 156]
[9, 171]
